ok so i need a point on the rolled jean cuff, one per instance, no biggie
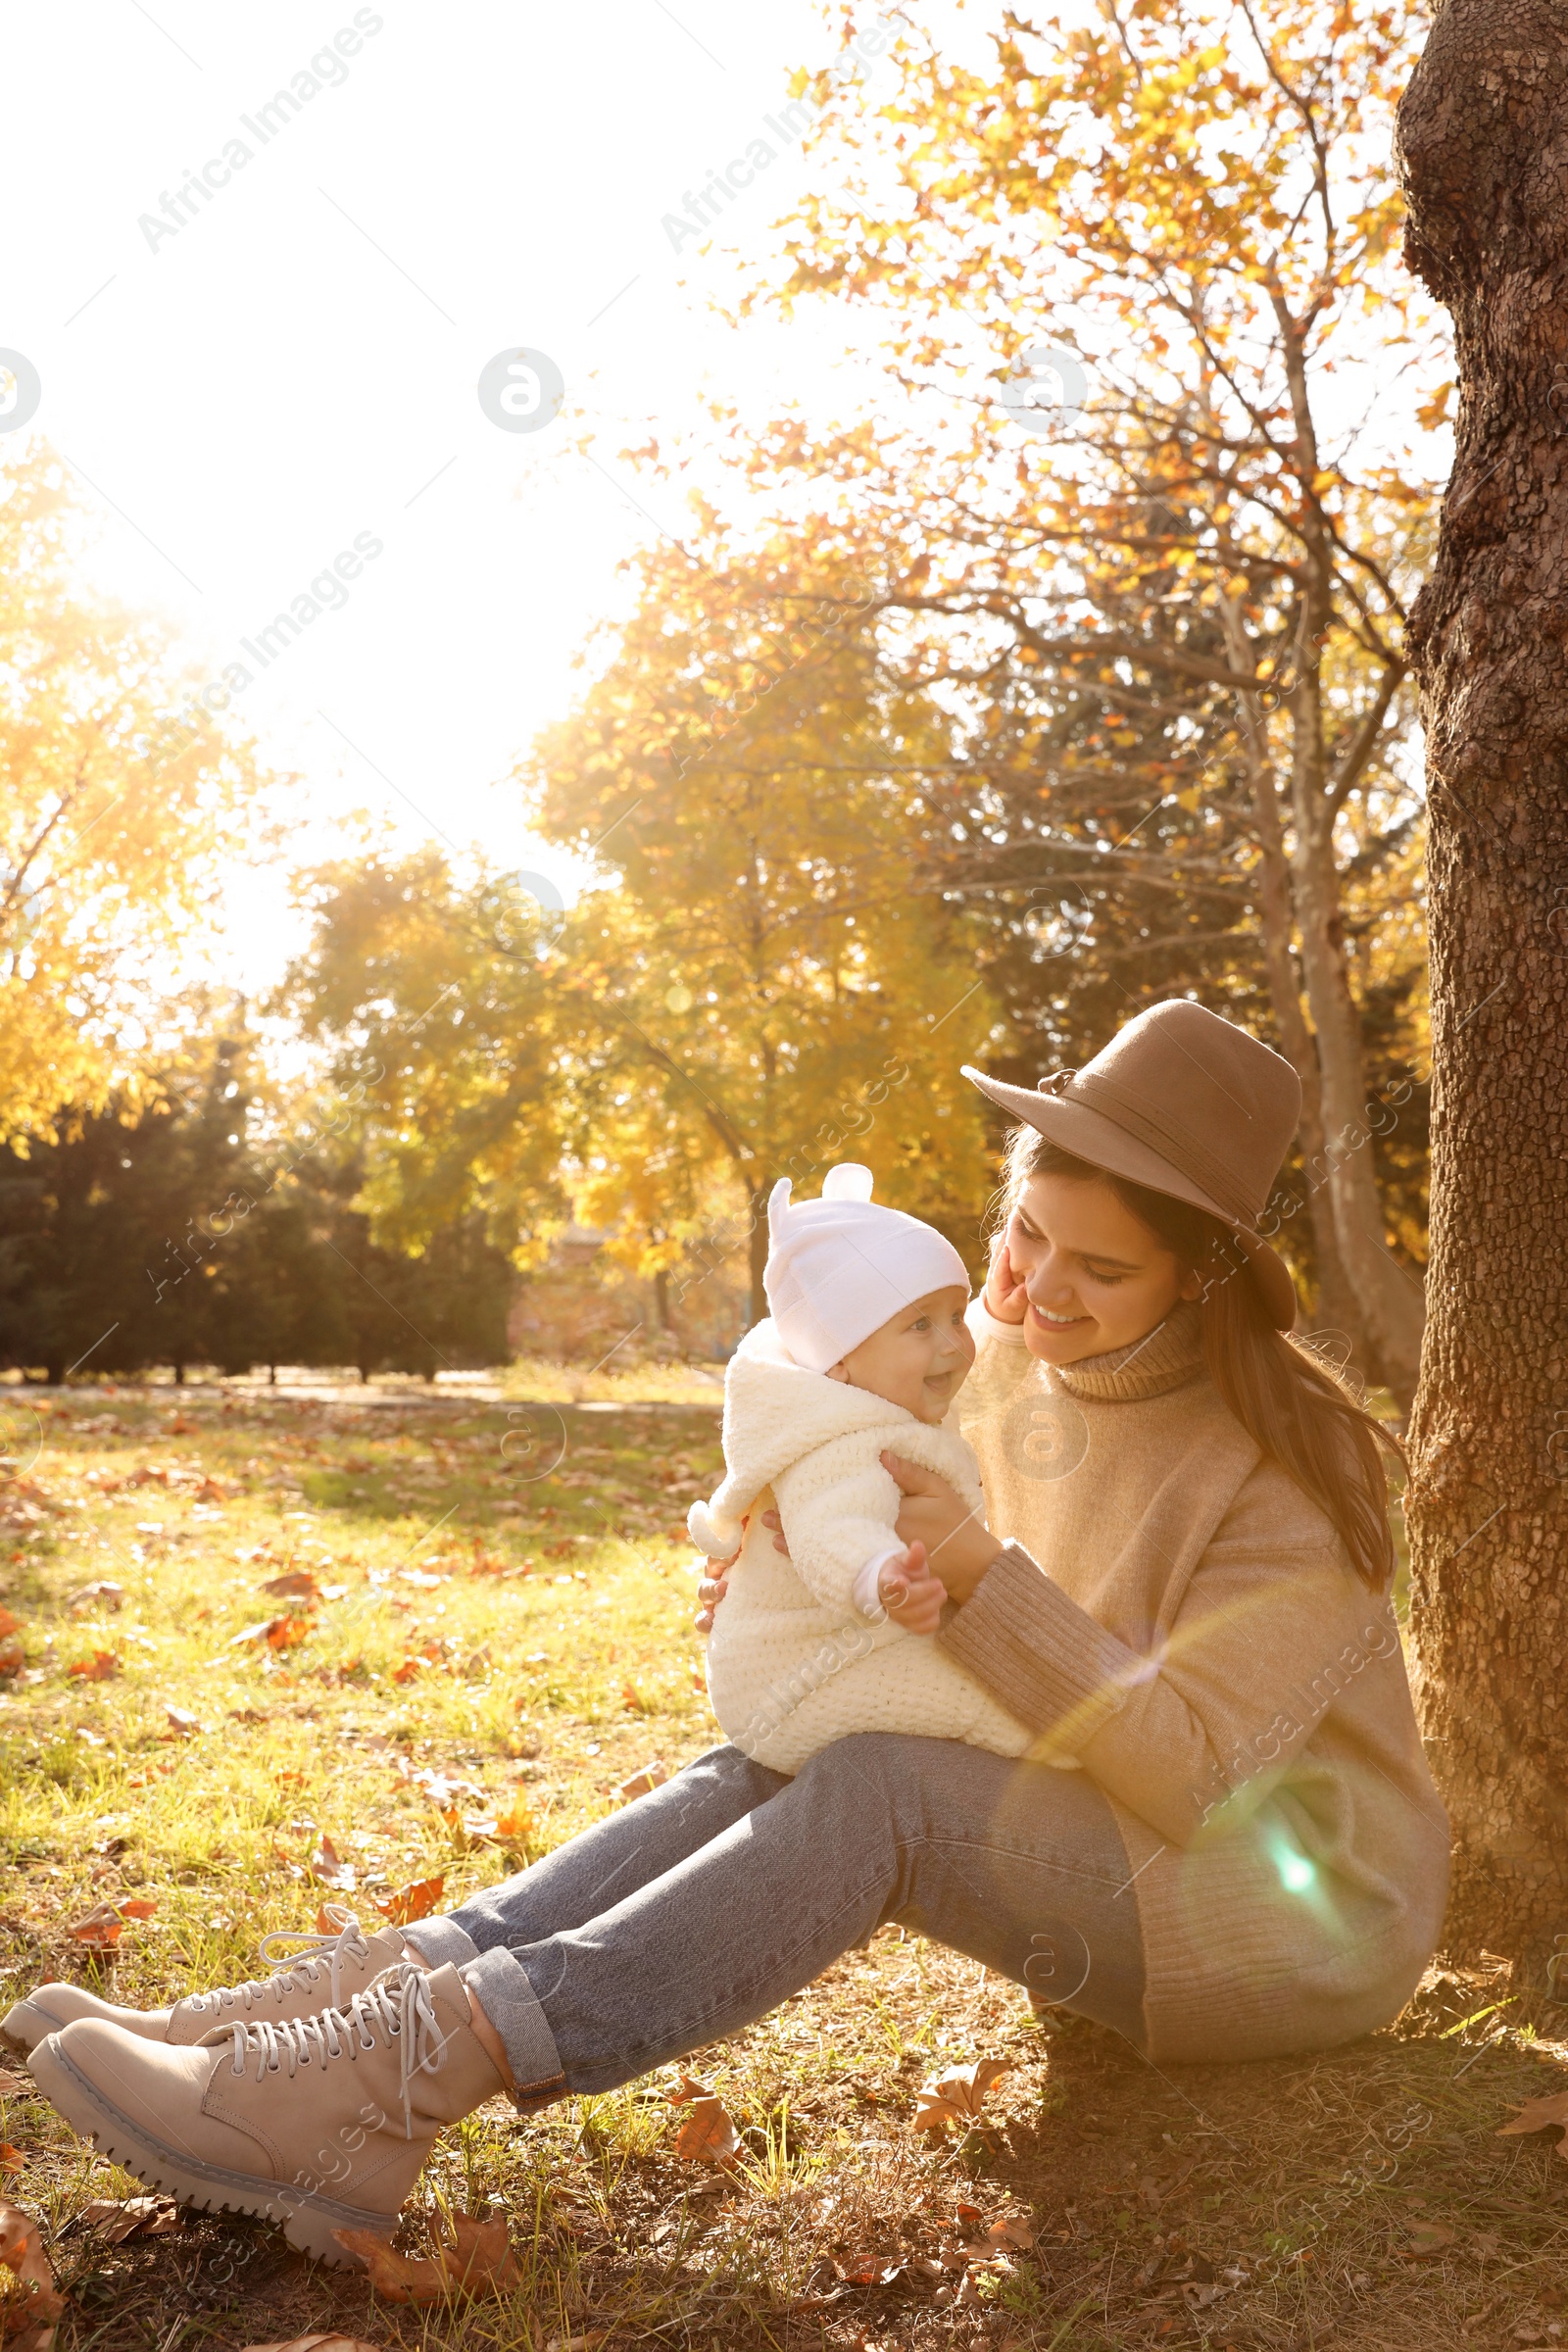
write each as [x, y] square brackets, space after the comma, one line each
[441, 1943]
[510, 2002]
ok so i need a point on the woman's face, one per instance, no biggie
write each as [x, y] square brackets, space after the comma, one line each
[1094, 1275]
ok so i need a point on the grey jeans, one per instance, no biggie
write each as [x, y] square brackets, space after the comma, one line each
[701, 1906]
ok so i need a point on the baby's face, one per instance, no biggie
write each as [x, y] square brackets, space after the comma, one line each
[919, 1358]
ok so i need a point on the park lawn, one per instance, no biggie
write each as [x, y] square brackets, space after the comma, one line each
[500, 1635]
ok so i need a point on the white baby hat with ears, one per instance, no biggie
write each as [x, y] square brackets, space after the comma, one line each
[840, 1267]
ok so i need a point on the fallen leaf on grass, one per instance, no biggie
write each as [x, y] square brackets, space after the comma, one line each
[328, 1865]
[30, 2302]
[632, 1699]
[1539, 2116]
[869, 2271]
[278, 1632]
[317, 2343]
[417, 1900]
[638, 1784]
[709, 2129]
[299, 1582]
[118, 2218]
[1012, 2229]
[1427, 2238]
[12, 2159]
[182, 1723]
[108, 1594]
[9, 1625]
[477, 2261]
[98, 1668]
[13, 2087]
[957, 2097]
[103, 1925]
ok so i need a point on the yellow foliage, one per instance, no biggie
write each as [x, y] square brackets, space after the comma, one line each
[115, 791]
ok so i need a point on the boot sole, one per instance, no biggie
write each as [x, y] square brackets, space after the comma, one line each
[308, 2221]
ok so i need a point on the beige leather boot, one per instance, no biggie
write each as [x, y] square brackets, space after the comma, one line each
[320, 2123]
[322, 1971]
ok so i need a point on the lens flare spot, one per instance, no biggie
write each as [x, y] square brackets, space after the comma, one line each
[1296, 1872]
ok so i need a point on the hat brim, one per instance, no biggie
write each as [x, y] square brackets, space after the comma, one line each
[1089, 1135]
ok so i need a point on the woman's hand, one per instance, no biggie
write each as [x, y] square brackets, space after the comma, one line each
[958, 1545]
[711, 1590]
[1004, 1295]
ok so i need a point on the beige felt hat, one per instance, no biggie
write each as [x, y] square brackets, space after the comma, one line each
[1187, 1104]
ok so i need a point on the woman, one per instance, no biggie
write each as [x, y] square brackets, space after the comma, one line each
[1224, 1844]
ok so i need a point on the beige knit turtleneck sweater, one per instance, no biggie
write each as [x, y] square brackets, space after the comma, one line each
[1173, 1615]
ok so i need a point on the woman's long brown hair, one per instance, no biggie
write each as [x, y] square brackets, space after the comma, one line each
[1297, 1407]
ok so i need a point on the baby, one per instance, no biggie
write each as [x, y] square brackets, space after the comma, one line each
[864, 1350]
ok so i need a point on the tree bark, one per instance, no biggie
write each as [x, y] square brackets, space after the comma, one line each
[1337, 1308]
[1483, 140]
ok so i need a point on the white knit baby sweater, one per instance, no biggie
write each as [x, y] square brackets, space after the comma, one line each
[791, 1663]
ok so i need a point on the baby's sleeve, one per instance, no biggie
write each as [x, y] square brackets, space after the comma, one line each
[839, 1507]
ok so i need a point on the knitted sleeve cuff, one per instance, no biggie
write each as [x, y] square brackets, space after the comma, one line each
[1047, 1661]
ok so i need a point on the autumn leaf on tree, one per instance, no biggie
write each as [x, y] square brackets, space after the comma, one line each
[417, 1900]
[476, 2260]
[957, 2097]
[1539, 2116]
[30, 2302]
[708, 2129]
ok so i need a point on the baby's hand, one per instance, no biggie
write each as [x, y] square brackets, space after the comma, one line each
[910, 1595]
[1006, 1298]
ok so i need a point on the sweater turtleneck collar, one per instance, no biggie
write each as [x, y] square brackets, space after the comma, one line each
[1167, 1357]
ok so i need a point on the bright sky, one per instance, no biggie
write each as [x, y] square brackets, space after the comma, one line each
[253, 383]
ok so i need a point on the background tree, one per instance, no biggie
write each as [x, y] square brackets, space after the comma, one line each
[1486, 115]
[203, 1228]
[760, 980]
[118, 789]
[1217, 550]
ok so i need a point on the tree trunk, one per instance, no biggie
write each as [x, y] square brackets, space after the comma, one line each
[1484, 127]
[1336, 1309]
[1390, 1296]
[1392, 1303]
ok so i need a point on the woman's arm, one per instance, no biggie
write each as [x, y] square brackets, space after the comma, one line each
[958, 1544]
[1267, 1633]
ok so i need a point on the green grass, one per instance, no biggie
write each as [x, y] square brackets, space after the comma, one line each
[519, 1565]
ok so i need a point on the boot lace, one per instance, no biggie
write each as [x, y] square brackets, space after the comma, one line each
[396, 2008]
[298, 1971]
